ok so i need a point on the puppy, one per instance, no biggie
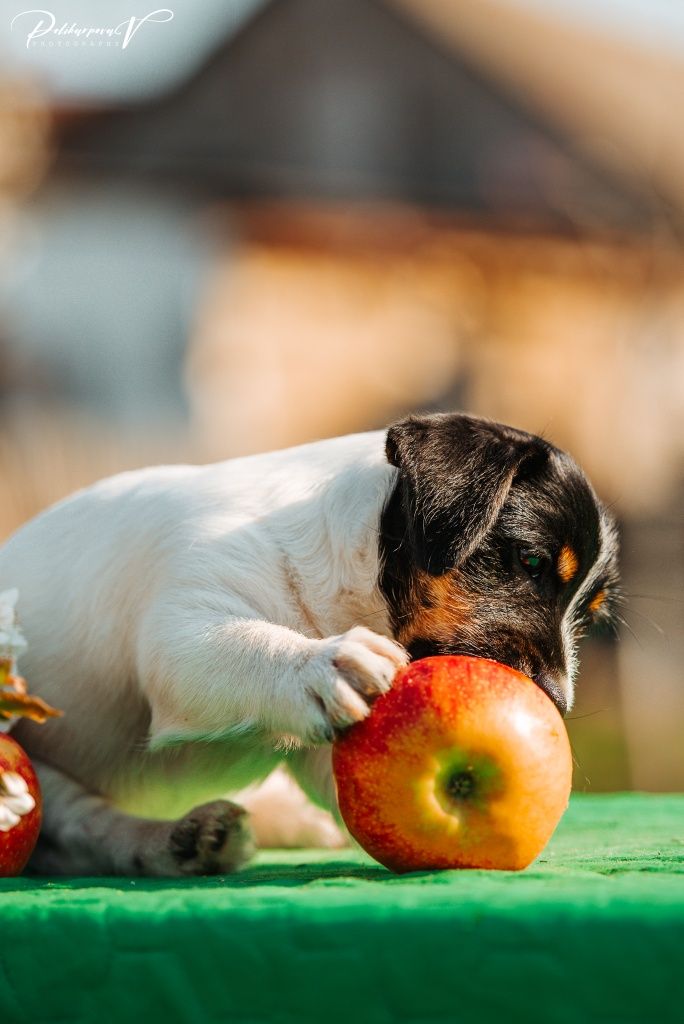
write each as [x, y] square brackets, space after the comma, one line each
[200, 626]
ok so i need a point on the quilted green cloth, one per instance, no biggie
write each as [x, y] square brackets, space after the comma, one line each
[593, 931]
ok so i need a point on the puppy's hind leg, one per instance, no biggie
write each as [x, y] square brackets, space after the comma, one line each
[282, 816]
[83, 834]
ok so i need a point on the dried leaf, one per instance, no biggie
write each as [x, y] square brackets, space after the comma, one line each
[15, 700]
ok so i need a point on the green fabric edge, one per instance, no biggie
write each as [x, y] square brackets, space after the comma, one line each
[593, 930]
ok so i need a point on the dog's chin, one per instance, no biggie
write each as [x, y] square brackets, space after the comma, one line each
[554, 689]
[548, 682]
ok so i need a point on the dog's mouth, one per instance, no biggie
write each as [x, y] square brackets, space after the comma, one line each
[546, 681]
[552, 689]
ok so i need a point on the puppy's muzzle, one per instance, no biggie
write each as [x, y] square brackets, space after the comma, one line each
[553, 689]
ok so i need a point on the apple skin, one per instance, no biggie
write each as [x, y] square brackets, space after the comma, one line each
[464, 763]
[16, 845]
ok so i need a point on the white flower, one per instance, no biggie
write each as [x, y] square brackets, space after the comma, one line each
[15, 800]
[7, 819]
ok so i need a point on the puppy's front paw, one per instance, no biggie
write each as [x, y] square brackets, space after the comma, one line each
[343, 678]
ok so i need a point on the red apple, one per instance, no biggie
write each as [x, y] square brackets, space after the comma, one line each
[19, 821]
[464, 763]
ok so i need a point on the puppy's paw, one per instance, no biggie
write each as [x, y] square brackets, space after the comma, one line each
[282, 816]
[343, 678]
[213, 839]
[318, 829]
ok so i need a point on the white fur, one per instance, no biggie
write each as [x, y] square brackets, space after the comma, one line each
[570, 633]
[199, 625]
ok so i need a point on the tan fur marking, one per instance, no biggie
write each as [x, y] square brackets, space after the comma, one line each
[439, 610]
[597, 601]
[568, 563]
[293, 583]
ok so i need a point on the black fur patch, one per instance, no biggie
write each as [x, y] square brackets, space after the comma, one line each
[472, 500]
[455, 474]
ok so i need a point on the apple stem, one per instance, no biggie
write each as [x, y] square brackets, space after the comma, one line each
[461, 784]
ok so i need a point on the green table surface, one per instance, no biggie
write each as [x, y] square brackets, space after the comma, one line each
[592, 931]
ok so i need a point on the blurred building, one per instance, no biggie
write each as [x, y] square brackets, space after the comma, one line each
[382, 170]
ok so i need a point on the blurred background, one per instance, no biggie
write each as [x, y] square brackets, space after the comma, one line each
[236, 225]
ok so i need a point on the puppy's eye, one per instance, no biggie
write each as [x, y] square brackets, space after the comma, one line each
[532, 562]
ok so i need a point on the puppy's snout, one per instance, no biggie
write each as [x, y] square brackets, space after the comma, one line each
[553, 688]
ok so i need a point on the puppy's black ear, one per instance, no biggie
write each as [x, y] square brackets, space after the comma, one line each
[455, 474]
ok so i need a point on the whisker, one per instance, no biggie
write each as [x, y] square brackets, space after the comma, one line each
[654, 597]
[576, 762]
[587, 714]
[612, 504]
[628, 628]
[367, 616]
[648, 619]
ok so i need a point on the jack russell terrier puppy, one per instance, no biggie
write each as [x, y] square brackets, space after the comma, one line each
[202, 625]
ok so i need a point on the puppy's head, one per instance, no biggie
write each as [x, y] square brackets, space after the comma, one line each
[493, 543]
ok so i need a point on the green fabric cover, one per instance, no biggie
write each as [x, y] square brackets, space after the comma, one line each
[593, 931]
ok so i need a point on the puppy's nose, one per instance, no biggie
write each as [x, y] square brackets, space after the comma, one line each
[553, 689]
